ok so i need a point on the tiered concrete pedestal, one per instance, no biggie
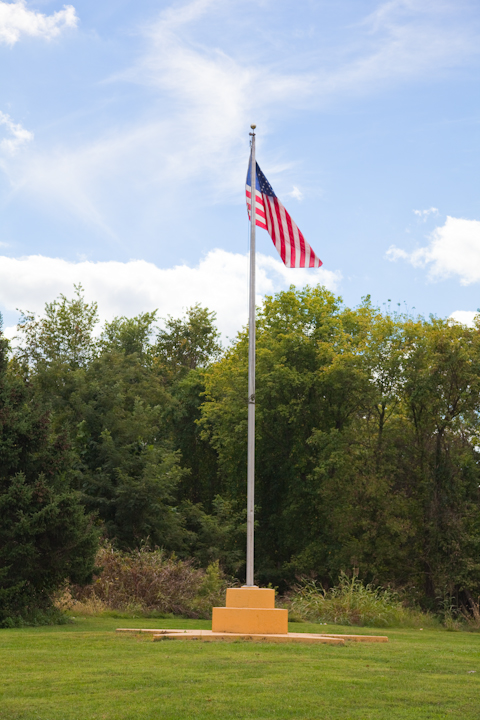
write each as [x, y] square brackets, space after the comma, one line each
[250, 614]
[250, 610]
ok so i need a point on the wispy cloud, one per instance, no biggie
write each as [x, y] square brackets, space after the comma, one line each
[16, 135]
[453, 251]
[219, 282]
[215, 95]
[296, 193]
[423, 214]
[406, 40]
[207, 92]
[209, 99]
[218, 91]
[17, 20]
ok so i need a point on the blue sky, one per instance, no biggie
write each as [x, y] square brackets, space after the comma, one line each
[124, 145]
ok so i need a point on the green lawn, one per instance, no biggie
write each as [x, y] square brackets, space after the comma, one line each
[85, 671]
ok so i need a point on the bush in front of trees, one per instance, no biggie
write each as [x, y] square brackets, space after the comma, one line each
[149, 581]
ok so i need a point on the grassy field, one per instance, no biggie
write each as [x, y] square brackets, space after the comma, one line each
[85, 671]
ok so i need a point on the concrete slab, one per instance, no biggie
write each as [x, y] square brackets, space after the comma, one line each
[208, 635]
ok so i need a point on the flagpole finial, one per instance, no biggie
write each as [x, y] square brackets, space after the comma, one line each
[253, 127]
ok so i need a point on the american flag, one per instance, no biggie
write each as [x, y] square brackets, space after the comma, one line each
[272, 216]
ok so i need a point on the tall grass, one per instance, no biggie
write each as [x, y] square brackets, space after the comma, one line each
[353, 603]
[148, 582]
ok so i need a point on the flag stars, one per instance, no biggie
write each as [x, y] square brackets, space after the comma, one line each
[265, 186]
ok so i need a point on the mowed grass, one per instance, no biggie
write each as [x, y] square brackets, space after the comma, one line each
[86, 671]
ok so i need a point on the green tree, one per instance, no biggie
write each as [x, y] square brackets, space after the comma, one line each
[130, 408]
[110, 399]
[45, 536]
[128, 470]
[442, 392]
[298, 334]
[366, 443]
[184, 349]
[189, 342]
[64, 335]
[129, 335]
[54, 347]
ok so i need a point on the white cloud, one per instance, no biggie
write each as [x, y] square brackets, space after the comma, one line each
[17, 20]
[393, 253]
[10, 332]
[16, 135]
[453, 251]
[423, 214]
[219, 282]
[465, 317]
[296, 193]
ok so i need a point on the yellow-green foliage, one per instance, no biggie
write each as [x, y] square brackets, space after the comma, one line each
[353, 603]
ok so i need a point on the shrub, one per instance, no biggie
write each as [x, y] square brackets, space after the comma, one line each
[36, 618]
[353, 603]
[148, 581]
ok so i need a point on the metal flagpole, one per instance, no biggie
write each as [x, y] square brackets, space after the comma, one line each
[251, 370]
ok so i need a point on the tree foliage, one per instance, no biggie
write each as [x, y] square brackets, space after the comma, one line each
[367, 438]
[64, 335]
[366, 443]
[188, 343]
[130, 409]
[45, 536]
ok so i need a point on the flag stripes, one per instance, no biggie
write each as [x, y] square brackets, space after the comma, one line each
[273, 217]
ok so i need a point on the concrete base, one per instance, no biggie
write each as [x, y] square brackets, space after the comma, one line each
[209, 635]
[250, 614]
[250, 610]
[249, 620]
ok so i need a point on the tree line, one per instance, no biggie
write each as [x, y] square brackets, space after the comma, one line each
[367, 446]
